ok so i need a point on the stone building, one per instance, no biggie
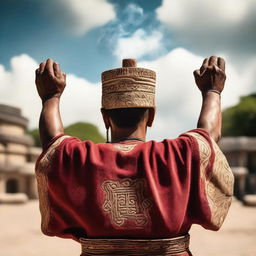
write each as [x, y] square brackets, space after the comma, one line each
[17, 157]
[241, 155]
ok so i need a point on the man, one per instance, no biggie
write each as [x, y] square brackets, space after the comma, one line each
[129, 196]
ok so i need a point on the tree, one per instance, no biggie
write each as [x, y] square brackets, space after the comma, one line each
[240, 120]
[85, 131]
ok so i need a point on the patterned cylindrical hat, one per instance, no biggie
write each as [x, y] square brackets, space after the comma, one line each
[128, 87]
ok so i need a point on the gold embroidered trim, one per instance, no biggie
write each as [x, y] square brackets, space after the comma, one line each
[128, 84]
[161, 247]
[125, 72]
[42, 186]
[125, 147]
[42, 183]
[125, 200]
[219, 184]
[129, 99]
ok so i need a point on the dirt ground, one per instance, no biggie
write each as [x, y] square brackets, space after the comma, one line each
[21, 235]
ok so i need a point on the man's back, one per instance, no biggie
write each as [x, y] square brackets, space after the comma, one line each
[132, 189]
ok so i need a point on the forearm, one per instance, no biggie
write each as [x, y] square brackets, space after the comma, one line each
[210, 117]
[50, 124]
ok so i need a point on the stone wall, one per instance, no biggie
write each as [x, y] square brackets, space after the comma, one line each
[241, 155]
[17, 157]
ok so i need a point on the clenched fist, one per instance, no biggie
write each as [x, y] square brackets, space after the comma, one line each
[50, 81]
[211, 75]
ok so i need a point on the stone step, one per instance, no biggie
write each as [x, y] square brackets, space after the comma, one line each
[15, 198]
[250, 200]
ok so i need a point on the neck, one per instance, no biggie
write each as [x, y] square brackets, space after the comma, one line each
[121, 133]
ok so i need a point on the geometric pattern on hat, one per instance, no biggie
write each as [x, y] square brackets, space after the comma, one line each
[128, 87]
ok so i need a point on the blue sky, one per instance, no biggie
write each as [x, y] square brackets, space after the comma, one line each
[89, 36]
[29, 27]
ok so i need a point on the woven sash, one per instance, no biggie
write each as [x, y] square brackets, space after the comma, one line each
[107, 247]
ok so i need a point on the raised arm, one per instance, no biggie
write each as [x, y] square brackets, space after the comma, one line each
[210, 79]
[50, 83]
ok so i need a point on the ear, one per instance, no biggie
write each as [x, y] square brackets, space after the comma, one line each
[151, 116]
[106, 118]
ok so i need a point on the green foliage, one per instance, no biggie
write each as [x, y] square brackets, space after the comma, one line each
[35, 134]
[83, 131]
[240, 120]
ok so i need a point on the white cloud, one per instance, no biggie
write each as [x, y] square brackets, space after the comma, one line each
[206, 25]
[80, 100]
[133, 14]
[218, 13]
[17, 86]
[80, 16]
[178, 99]
[127, 35]
[139, 44]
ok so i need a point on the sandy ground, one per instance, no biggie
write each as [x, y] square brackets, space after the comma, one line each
[21, 235]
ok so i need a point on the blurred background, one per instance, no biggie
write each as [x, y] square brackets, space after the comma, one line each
[88, 37]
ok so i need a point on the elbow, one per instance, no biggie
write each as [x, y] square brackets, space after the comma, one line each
[213, 132]
[216, 136]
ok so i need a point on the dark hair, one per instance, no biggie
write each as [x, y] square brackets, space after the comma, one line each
[126, 117]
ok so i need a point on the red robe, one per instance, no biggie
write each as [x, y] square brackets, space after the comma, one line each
[133, 189]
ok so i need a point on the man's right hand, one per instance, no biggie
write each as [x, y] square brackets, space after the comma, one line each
[50, 81]
[211, 75]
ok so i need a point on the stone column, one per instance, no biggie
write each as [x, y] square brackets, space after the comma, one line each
[2, 184]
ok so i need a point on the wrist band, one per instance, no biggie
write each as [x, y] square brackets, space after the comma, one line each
[212, 90]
